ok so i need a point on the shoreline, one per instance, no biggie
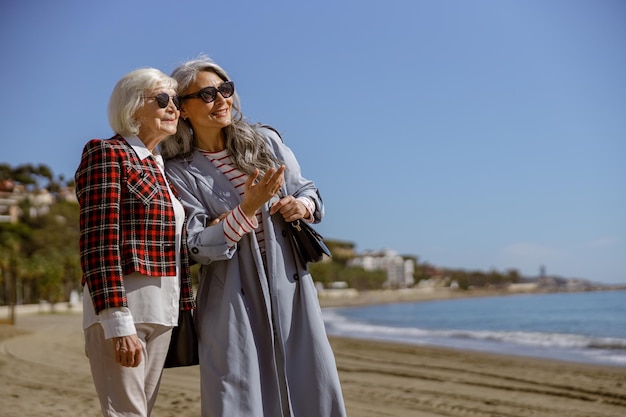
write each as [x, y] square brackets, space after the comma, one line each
[336, 327]
[353, 298]
[45, 373]
[437, 381]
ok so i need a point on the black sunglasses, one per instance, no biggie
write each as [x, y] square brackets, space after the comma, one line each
[209, 94]
[163, 100]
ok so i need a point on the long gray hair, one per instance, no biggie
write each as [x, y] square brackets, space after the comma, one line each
[245, 145]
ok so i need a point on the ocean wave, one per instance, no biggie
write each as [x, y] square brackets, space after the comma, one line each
[538, 339]
[341, 326]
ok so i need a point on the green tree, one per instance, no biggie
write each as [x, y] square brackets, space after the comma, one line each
[23, 174]
[39, 256]
[55, 241]
[29, 175]
[12, 238]
[5, 172]
[329, 272]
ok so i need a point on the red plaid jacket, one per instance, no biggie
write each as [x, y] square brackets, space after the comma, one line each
[127, 223]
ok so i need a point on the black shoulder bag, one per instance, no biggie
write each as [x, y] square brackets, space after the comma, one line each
[183, 350]
[308, 243]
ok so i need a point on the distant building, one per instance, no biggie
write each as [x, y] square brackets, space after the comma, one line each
[39, 200]
[8, 202]
[8, 209]
[399, 270]
[523, 287]
[68, 194]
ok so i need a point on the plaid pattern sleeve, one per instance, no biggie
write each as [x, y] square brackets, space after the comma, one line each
[98, 188]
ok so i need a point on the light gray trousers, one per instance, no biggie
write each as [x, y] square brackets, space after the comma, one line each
[124, 391]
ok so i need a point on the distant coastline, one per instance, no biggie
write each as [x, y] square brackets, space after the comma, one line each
[352, 298]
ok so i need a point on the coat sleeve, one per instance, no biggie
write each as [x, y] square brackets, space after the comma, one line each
[98, 188]
[206, 243]
[295, 183]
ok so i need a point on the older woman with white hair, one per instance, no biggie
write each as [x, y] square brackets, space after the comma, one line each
[132, 245]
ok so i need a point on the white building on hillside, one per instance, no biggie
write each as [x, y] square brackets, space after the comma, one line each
[399, 270]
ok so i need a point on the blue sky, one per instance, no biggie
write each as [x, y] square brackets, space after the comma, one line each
[481, 135]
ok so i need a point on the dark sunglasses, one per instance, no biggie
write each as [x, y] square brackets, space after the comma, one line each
[163, 100]
[209, 94]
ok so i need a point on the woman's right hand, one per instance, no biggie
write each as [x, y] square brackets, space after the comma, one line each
[128, 351]
[259, 192]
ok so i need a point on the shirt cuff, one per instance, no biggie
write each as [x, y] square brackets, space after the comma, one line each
[117, 322]
[237, 224]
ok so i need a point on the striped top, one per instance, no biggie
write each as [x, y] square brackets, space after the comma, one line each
[236, 223]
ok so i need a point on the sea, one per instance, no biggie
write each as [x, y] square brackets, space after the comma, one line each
[585, 327]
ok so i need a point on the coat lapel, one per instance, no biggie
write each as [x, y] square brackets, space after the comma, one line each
[208, 176]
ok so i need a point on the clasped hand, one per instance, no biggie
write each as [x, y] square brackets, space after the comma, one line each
[290, 208]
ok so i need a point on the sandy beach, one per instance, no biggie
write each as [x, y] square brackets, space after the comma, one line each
[44, 373]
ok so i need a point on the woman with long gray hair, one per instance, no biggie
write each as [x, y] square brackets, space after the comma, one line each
[263, 346]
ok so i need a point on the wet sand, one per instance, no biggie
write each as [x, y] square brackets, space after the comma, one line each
[44, 373]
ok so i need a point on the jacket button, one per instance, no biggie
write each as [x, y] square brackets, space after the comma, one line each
[284, 233]
[296, 276]
[194, 250]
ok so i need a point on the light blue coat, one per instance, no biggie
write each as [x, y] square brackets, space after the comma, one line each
[263, 345]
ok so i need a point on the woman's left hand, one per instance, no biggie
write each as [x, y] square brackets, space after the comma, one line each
[219, 219]
[290, 208]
